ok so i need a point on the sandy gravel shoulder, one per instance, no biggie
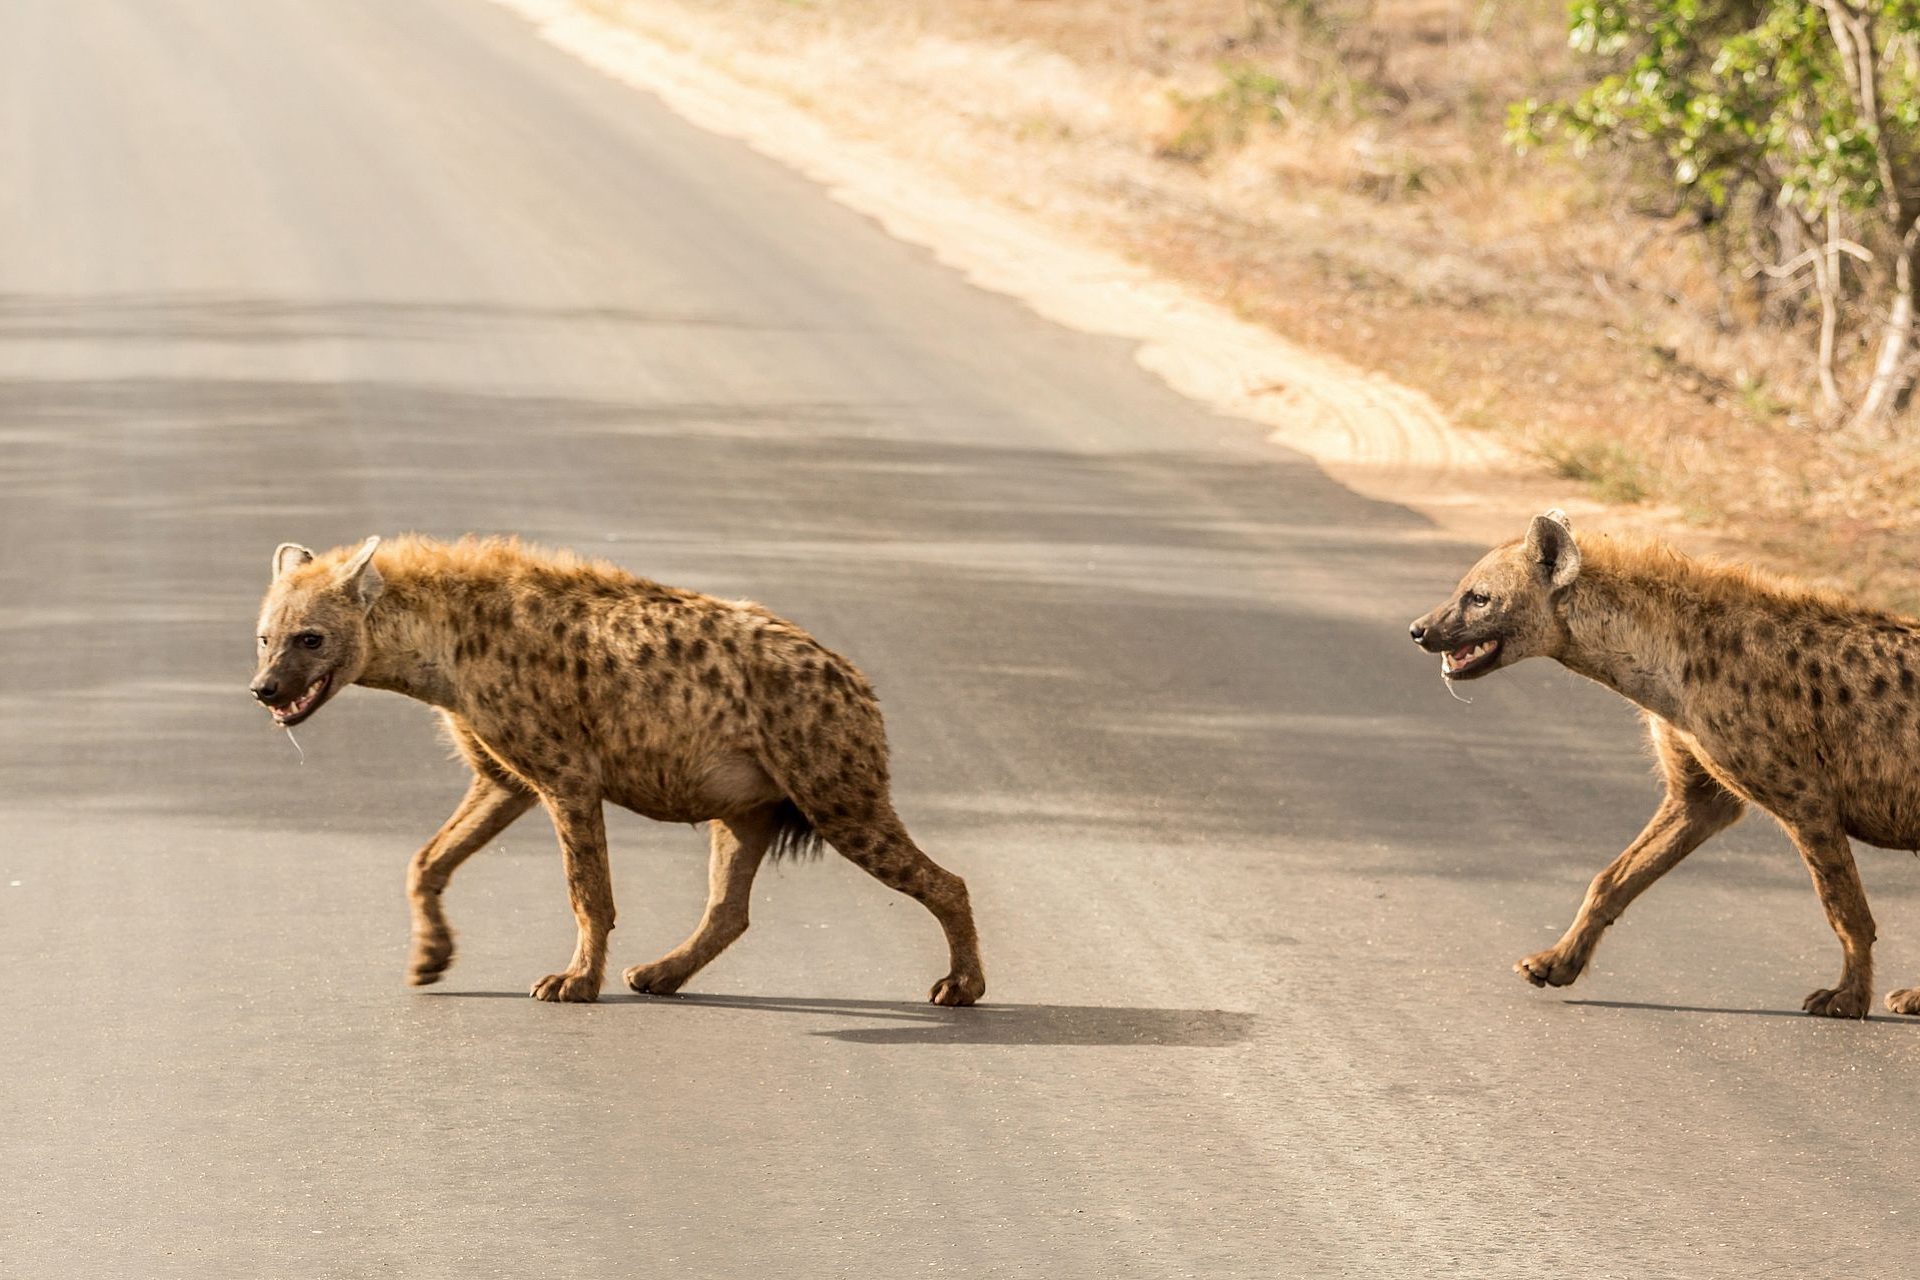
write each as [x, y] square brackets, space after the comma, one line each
[1376, 436]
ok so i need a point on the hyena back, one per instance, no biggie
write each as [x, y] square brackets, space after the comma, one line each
[571, 683]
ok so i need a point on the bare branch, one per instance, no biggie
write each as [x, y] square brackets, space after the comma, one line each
[1802, 260]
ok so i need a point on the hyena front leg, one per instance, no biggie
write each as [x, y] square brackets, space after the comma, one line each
[582, 828]
[738, 845]
[492, 803]
[1695, 808]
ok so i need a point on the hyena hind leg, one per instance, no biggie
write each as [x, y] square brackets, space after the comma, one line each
[875, 840]
[1906, 1000]
[738, 845]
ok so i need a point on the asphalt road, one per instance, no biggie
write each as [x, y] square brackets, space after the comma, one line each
[1249, 882]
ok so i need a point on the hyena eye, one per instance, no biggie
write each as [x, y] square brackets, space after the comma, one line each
[1475, 599]
[262, 640]
[310, 639]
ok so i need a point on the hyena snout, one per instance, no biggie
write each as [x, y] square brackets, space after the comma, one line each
[292, 688]
[1426, 632]
[281, 678]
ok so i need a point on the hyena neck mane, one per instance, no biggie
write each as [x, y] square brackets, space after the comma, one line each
[436, 597]
[1655, 625]
[411, 640]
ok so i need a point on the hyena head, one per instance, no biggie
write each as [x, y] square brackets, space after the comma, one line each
[1508, 606]
[313, 629]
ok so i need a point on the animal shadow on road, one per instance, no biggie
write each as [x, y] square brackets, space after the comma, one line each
[1006, 1024]
[1881, 1018]
[996, 1024]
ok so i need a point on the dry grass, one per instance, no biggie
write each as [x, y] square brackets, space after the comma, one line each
[1335, 169]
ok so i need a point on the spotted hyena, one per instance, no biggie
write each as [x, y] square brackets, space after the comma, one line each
[571, 683]
[1756, 692]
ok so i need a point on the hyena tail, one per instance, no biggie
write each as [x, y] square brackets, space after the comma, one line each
[793, 835]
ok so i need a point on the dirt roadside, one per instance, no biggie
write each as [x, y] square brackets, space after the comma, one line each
[1207, 311]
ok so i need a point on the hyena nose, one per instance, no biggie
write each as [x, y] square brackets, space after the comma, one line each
[266, 690]
[1418, 631]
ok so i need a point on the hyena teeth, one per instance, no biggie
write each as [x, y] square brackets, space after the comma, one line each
[1458, 658]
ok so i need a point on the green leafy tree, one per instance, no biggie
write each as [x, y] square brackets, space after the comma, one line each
[1803, 113]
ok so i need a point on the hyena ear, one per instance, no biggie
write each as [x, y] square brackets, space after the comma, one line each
[359, 576]
[1550, 545]
[287, 557]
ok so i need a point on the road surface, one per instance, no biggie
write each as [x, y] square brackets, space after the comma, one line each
[1249, 882]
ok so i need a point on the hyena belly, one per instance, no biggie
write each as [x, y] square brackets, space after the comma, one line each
[689, 787]
[1883, 817]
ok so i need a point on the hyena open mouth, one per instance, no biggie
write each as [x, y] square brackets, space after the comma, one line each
[1469, 661]
[304, 705]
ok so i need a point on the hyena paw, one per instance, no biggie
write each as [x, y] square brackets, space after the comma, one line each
[1906, 1000]
[430, 958]
[567, 988]
[1840, 1002]
[958, 989]
[1550, 968]
[656, 979]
